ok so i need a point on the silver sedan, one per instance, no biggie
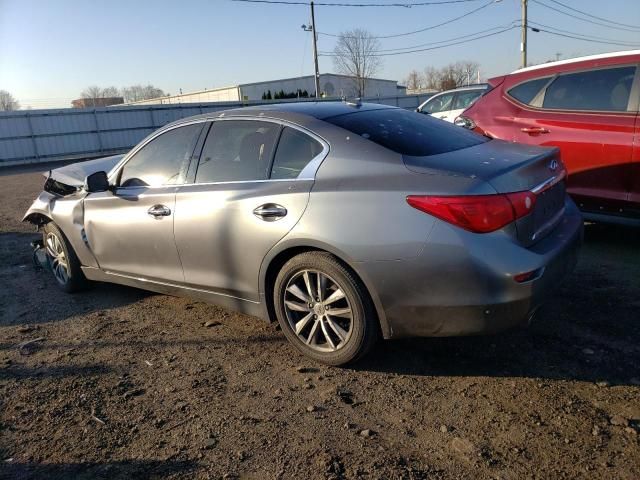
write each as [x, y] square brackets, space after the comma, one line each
[344, 222]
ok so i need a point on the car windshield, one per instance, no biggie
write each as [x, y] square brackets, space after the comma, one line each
[407, 133]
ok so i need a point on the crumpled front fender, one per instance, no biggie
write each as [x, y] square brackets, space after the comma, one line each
[40, 211]
[68, 214]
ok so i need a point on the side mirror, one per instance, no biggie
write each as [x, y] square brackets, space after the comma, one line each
[97, 182]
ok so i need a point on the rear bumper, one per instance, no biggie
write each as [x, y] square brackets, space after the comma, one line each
[462, 283]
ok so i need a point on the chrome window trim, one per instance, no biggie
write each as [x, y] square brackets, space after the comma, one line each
[307, 173]
[115, 171]
[538, 100]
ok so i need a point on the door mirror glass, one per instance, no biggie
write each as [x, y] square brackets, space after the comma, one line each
[97, 182]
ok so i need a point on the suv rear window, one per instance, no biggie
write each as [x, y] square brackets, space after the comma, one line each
[603, 89]
[407, 133]
[527, 91]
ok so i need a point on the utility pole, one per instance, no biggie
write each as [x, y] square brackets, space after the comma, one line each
[315, 51]
[523, 45]
[312, 28]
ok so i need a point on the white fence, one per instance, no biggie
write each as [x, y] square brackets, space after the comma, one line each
[32, 136]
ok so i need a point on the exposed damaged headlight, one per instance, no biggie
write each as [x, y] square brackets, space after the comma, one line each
[57, 188]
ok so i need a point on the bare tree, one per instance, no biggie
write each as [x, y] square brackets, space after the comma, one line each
[465, 72]
[110, 92]
[431, 78]
[355, 55]
[7, 102]
[450, 76]
[92, 91]
[136, 93]
[414, 80]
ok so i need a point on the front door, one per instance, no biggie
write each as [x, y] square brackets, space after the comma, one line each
[588, 116]
[250, 189]
[130, 229]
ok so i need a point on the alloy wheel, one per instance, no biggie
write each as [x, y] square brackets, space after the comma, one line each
[318, 311]
[58, 259]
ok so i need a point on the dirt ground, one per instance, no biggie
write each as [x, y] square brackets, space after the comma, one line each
[126, 384]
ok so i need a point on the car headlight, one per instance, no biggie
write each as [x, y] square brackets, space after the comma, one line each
[465, 122]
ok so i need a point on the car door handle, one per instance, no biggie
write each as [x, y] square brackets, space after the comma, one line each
[270, 212]
[534, 130]
[159, 211]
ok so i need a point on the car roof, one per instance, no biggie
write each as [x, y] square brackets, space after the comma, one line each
[477, 86]
[587, 58]
[293, 111]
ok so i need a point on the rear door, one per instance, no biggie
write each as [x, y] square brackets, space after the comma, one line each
[590, 115]
[250, 187]
[130, 229]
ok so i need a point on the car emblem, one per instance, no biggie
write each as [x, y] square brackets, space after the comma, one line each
[553, 165]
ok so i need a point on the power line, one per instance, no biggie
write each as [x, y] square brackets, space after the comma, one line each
[403, 5]
[422, 29]
[594, 16]
[591, 37]
[500, 27]
[583, 39]
[582, 19]
[432, 48]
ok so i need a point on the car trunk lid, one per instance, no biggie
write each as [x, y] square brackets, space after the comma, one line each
[509, 168]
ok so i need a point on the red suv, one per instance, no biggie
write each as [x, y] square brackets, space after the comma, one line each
[588, 107]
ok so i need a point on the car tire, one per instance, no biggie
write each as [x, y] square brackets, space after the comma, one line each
[63, 262]
[338, 326]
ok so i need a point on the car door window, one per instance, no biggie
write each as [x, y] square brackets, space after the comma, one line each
[439, 104]
[295, 150]
[162, 161]
[601, 90]
[237, 150]
[465, 99]
[527, 91]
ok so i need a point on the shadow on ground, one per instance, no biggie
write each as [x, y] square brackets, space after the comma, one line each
[122, 470]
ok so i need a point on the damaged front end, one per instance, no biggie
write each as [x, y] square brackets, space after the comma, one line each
[63, 182]
[62, 202]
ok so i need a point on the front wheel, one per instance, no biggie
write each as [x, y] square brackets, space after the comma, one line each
[63, 261]
[324, 310]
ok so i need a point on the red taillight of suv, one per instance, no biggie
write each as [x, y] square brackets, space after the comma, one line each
[476, 213]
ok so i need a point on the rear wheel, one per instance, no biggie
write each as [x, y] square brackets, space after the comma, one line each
[63, 261]
[324, 310]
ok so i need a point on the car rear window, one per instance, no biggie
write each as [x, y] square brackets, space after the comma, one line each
[407, 133]
[527, 91]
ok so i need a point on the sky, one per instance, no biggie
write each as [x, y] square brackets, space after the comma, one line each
[50, 50]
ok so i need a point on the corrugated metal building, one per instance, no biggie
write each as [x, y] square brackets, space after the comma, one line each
[331, 85]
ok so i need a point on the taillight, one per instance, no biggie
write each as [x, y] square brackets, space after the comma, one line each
[476, 213]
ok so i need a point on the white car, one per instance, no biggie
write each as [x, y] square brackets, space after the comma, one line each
[450, 104]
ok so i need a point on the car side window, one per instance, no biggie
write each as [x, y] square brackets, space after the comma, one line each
[439, 104]
[237, 150]
[602, 90]
[465, 99]
[162, 161]
[295, 150]
[527, 91]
